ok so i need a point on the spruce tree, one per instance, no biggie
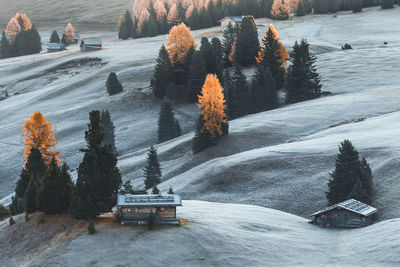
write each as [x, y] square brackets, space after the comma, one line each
[113, 85]
[30, 196]
[208, 55]
[170, 191]
[303, 79]
[127, 28]
[198, 73]
[155, 190]
[98, 175]
[162, 73]
[109, 130]
[247, 42]
[168, 125]
[34, 45]
[238, 95]
[300, 9]
[228, 39]
[357, 6]
[55, 192]
[218, 54]
[194, 20]
[152, 28]
[54, 38]
[152, 171]
[387, 4]
[264, 91]
[202, 138]
[5, 49]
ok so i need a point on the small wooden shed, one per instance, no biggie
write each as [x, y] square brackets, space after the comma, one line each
[91, 44]
[234, 20]
[55, 47]
[135, 209]
[350, 213]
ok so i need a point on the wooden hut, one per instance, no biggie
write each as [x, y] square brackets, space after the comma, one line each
[349, 213]
[55, 47]
[135, 209]
[230, 19]
[91, 44]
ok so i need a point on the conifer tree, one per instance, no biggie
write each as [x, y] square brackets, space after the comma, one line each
[30, 196]
[152, 171]
[168, 125]
[202, 138]
[303, 79]
[55, 192]
[387, 4]
[5, 49]
[170, 191]
[357, 6]
[300, 9]
[228, 39]
[279, 10]
[238, 95]
[127, 28]
[109, 130]
[247, 42]
[4, 212]
[162, 73]
[198, 73]
[113, 85]
[180, 42]
[98, 175]
[208, 55]
[152, 28]
[194, 20]
[54, 38]
[155, 190]
[218, 54]
[264, 90]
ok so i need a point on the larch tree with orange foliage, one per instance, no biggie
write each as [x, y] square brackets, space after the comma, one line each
[180, 42]
[212, 123]
[280, 10]
[39, 134]
[273, 55]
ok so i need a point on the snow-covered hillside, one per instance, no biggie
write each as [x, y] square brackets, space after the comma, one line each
[231, 235]
[279, 159]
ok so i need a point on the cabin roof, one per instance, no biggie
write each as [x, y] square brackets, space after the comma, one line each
[149, 200]
[351, 205]
[232, 18]
[54, 45]
[92, 41]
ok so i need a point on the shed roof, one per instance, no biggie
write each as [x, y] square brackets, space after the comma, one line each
[232, 18]
[149, 200]
[54, 45]
[351, 205]
[92, 41]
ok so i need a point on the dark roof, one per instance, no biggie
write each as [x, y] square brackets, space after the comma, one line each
[232, 18]
[149, 200]
[54, 46]
[351, 205]
[92, 41]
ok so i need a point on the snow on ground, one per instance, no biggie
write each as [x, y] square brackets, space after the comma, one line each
[231, 235]
[279, 159]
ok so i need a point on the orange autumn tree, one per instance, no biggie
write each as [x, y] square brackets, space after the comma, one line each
[280, 50]
[212, 105]
[38, 133]
[179, 43]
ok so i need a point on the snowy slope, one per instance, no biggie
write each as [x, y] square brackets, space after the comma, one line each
[269, 159]
[232, 235]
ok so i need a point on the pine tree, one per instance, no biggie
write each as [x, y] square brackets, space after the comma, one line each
[34, 45]
[54, 38]
[357, 6]
[98, 175]
[5, 49]
[152, 171]
[351, 178]
[194, 20]
[127, 28]
[228, 39]
[300, 9]
[247, 42]
[198, 73]
[109, 130]
[170, 191]
[30, 196]
[152, 28]
[387, 4]
[155, 190]
[264, 90]
[162, 73]
[303, 79]
[55, 192]
[238, 92]
[168, 125]
[218, 54]
[208, 55]
[202, 138]
[113, 85]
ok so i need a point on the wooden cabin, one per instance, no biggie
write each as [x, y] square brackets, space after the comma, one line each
[350, 213]
[91, 44]
[235, 21]
[135, 209]
[55, 47]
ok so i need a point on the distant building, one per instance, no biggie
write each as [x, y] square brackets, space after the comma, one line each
[55, 47]
[233, 20]
[349, 213]
[75, 39]
[135, 209]
[91, 44]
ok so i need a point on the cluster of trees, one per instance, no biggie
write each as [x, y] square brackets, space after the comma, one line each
[352, 177]
[20, 38]
[67, 35]
[332, 6]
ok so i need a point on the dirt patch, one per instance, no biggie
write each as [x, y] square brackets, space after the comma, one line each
[25, 240]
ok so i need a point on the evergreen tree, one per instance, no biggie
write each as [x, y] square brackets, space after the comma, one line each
[194, 20]
[11, 221]
[113, 85]
[4, 212]
[55, 192]
[162, 73]
[387, 4]
[152, 171]
[202, 138]
[208, 55]
[168, 125]
[5, 49]
[98, 175]
[351, 178]
[247, 42]
[228, 39]
[264, 93]
[205, 18]
[34, 45]
[91, 229]
[30, 196]
[155, 190]
[238, 92]
[357, 6]
[218, 54]
[109, 129]
[170, 191]
[152, 28]
[198, 73]
[54, 38]
[127, 28]
[300, 9]
[303, 79]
